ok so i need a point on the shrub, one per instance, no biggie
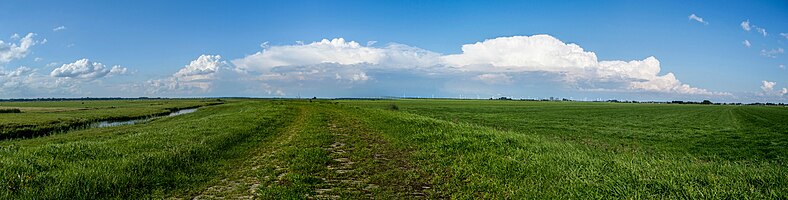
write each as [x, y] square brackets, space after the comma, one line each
[10, 110]
[393, 107]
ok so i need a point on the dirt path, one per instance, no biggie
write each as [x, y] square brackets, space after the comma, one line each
[365, 164]
[325, 153]
[243, 182]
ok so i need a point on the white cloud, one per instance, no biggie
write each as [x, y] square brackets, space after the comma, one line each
[522, 53]
[781, 66]
[336, 51]
[509, 62]
[785, 35]
[10, 51]
[767, 85]
[38, 59]
[762, 31]
[86, 70]
[500, 78]
[772, 53]
[698, 19]
[203, 68]
[747, 43]
[59, 28]
[197, 76]
[25, 81]
[746, 25]
[767, 88]
[544, 53]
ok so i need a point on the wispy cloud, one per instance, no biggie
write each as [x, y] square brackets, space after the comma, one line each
[10, 51]
[772, 53]
[59, 28]
[762, 31]
[698, 19]
[747, 43]
[747, 27]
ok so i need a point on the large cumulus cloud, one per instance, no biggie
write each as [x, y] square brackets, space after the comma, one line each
[493, 61]
[544, 53]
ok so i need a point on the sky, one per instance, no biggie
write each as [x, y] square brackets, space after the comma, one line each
[729, 51]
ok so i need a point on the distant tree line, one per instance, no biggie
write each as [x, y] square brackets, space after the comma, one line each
[704, 102]
[81, 99]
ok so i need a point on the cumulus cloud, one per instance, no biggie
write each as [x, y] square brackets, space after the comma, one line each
[203, 68]
[767, 85]
[197, 76]
[767, 88]
[544, 53]
[698, 19]
[772, 53]
[747, 43]
[86, 70]
[493, 61]
[522, 53]
[59, 28]
[10, 51]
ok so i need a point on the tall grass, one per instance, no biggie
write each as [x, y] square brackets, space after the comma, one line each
[163, 157]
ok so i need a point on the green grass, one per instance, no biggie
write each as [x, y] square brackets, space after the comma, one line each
[165, 157]
[508, 149]
[461, 149]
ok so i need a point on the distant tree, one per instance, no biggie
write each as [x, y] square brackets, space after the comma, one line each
[706, 102]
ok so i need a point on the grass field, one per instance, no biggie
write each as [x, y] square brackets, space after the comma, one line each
[463, 149]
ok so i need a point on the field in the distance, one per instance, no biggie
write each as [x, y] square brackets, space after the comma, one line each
[402, 149]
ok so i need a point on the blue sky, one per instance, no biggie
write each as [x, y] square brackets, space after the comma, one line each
[524, 49]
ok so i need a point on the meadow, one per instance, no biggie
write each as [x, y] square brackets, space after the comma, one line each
[404, 149]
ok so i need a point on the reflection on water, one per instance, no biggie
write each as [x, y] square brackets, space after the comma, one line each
[136, 121]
